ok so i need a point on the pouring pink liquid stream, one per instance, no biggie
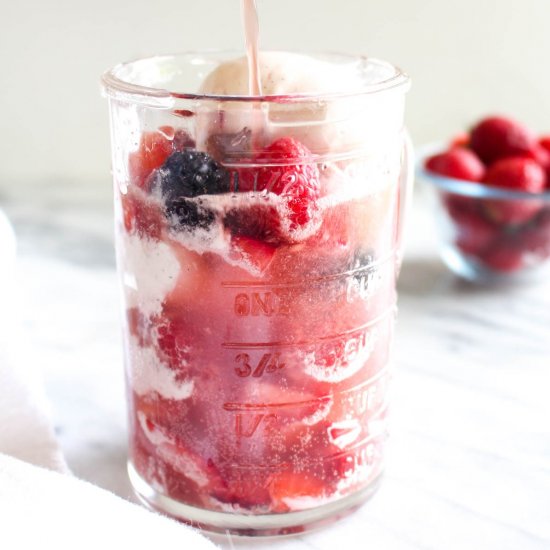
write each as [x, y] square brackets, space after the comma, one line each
[251, 35]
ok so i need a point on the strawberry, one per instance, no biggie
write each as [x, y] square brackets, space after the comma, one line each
[460, 140]
[287, 489]
[497, 137]
[201, 471]
[540, 155]
[153, 150]
[544, 143]
[141, 215]
[257, 253]
[535, 238]
[474, 233]
[515, 174]
[503, 256]
[458, 163]
[286, 168]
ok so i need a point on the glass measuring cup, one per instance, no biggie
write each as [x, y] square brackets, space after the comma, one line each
[258, 242]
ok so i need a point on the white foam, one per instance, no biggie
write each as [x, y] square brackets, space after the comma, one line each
[148, 374]
[150, 272]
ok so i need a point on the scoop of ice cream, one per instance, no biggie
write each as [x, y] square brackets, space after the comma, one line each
[284, 73]
[338, 119]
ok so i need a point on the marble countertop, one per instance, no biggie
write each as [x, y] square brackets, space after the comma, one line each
[469, 456]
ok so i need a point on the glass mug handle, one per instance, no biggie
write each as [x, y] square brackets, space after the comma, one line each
[406, 180]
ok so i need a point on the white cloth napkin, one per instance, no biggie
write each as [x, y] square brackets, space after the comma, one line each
[41, 504]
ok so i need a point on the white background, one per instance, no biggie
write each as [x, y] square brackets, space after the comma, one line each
[466, 58]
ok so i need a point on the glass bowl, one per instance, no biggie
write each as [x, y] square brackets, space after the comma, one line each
[488, 234]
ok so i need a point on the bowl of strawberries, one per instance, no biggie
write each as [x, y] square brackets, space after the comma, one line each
[493, 201]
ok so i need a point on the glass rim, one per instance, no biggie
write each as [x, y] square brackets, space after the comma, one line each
[115, 86]
[468, 188]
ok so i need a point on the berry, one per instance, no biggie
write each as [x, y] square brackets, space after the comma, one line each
[287, 170]
[257, 220]
[544, 142]
[256, 253]
[294, 176]
[191, 173]
[503, 256]
[515, 174]
[184, 176]
[540, 155]
[498, 137]
[535, 238]
[460, 140]
[189, 214]
[153, 150]
[474, 233]
[141, 215]
[287, 488]
[173, 342]
[458, 163]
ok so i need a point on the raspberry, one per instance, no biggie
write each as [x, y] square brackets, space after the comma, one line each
[458, 163]
[515, 174]
[294, 176]
[287, 170]
[173, 342]
[498, 137]
[184, 176]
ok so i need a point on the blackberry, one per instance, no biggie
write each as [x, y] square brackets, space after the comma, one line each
[191, 173]
[185, 175]
[190, 214]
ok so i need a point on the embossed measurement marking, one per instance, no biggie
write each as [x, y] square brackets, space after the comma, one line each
[367, 396]
[360, 454]
[307, 282]
[320, 339]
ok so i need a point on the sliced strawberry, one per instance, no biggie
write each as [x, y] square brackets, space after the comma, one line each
[153, 150]
[252, 251]
[292, 491]
[141, 214]
[201, 471]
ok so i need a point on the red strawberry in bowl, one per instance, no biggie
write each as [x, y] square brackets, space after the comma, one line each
[498, 137]
[514, 174]
[458, 163]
